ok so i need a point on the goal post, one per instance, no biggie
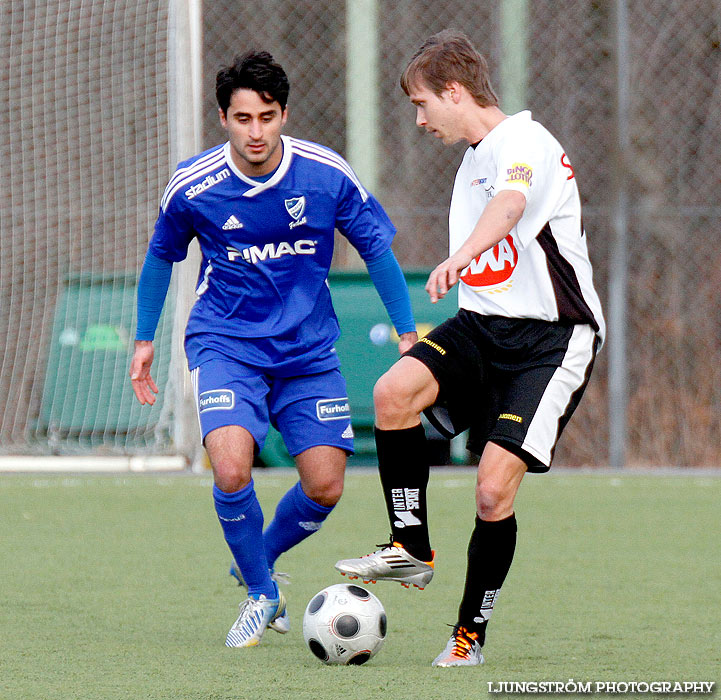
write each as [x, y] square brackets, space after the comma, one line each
[185, 38]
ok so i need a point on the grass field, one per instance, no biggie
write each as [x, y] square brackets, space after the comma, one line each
[117, 587]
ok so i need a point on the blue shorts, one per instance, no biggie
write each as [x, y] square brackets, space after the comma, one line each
[308, 410]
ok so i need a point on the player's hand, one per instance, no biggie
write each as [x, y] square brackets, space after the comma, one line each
[143, 384]
[442, 279]
[407, 341]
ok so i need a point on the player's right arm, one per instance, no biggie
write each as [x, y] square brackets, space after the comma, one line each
[152, 290]
[169, 244]
[143, 384]
[497, 220]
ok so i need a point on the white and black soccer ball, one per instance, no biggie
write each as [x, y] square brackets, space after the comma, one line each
[344, 624]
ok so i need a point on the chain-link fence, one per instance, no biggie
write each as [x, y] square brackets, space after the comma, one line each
[668, 174]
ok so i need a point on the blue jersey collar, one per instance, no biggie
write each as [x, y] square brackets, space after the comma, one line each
[258, 187]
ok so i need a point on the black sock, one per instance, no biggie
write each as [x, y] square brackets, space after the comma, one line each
[490, 553]
[404, 470]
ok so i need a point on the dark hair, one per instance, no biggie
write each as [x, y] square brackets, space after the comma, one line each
[448, 56]
[254, 70]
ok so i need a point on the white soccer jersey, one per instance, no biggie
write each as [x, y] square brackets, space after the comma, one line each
[541, 269]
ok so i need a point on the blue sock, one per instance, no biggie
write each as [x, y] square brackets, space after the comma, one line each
[296, 517]
[242, 521]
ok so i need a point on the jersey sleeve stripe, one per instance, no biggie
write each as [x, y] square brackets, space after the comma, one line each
[180, 172]
[203, 286]
[193, 173]
[305, 147]
[328, 157]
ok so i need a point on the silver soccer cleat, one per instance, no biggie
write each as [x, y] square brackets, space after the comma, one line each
[392, 563]
[462, 649]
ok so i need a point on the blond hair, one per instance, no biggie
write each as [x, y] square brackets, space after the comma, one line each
[449, 56]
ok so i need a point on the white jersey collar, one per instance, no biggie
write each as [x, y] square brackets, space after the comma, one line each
[497, 131]
[258, 187]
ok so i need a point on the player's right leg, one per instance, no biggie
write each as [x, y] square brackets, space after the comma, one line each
[231, 403]
[443, 371]
[230, 449]
[313, 416]
[539, 396]
[399, 397]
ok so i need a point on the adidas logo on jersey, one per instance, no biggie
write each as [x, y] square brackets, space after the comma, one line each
[347, 433]
[232, 223]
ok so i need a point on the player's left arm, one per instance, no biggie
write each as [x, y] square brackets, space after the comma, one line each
[499, 217]
[388, 279]
[364, 222]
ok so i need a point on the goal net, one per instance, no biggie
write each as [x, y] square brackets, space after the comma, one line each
[86, 150]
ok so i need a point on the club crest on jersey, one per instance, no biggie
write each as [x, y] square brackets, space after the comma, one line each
[296, 207]
[492, 268]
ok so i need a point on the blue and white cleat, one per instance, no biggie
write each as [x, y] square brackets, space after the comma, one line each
[282, 623]
[254, 618]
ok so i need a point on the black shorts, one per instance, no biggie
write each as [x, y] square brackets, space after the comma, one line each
[512, 381]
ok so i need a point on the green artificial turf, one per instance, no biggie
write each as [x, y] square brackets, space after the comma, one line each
[117, 587]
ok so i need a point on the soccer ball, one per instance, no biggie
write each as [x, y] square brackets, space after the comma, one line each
[344, 624]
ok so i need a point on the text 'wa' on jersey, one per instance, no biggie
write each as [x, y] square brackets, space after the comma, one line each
[541, 269]
[267, 249]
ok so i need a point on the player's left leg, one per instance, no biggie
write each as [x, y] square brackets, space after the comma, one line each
[490, 553]
[313, 416]
[403, 466]
[307, 504]
[301, 511]
[534, 405]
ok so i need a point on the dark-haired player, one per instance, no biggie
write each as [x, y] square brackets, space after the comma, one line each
[513, 363]
[260, 337]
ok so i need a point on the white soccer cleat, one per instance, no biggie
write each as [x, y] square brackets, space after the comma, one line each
[282, 623]
[255, 616]
[392, 563]
[462, 649]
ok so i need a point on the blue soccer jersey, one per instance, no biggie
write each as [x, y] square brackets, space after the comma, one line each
[267, 249]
